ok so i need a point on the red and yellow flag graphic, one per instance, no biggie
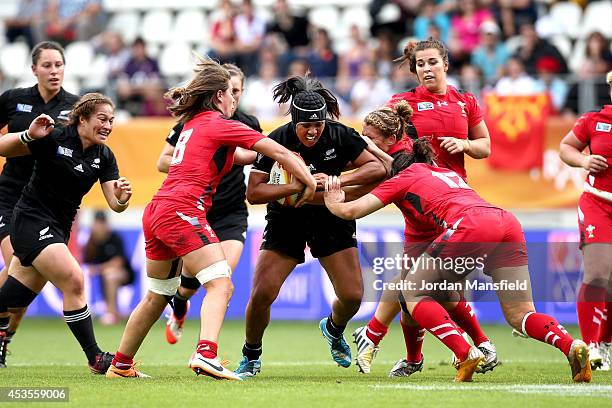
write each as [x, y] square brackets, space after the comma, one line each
[516, 125]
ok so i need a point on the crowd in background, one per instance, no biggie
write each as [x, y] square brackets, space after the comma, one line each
[498, 45]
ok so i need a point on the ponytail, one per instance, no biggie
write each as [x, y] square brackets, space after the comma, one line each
[422, 152]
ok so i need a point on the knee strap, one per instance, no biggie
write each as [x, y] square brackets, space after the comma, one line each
[164, 287]
[217, 270]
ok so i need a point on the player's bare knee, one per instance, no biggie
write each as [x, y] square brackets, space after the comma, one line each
[73, 286]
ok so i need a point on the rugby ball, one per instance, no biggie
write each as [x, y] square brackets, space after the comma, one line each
[279, 176]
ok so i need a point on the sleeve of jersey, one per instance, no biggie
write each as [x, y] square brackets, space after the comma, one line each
[45, 147]
[235, 133]
[388, 191]
[174, 134]
[475, 115]
[580, 129]
[109, 170]
[264, 163]
[352, 144]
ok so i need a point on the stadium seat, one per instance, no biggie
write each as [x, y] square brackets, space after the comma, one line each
[389, 13]
[190, 25]
[597, 17]
[127, 23]
[352, 16]
[79, 58]
[14, 59]
[156, 25]
[563, 44]
[97, 77]
[567, 16]
[176, 60]
[326, 17]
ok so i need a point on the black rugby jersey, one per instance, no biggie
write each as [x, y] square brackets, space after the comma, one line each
[337, 146]
[231, 191]
[18, 108]
[63, 174]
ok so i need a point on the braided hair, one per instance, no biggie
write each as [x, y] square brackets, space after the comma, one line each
[86, 106]
[391, 121]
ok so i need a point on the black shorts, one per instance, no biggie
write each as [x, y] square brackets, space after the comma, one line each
[31, 233]
[316, 227]
[231, 226]
[8, 200]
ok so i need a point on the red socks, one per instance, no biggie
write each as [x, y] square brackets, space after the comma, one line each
[590, 308]
[547, 329]
[464, 316]
[413, 337]
[430, 315]
[605, 330]
[122, 362]
[208, 349]
[375, 330]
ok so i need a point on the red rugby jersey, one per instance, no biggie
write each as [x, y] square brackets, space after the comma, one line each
[451, 114]
[438, 193]
[595, 129]
[204, 153]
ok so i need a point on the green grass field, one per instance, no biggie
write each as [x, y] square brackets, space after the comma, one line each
[297, 371]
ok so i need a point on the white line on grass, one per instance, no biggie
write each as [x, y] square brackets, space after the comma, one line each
[576, 390]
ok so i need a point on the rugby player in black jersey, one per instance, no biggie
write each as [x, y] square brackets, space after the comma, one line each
[18, 107]
[69, 160]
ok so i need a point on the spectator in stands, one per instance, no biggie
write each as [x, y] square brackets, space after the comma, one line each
[24, 23]
[430, 15]
[533, 48]
[516, 81]
[139, 80]
[322, 59]
[591, 91]
[292, 30]
[369, 91]
[257, 98]
[222, 33]
[384, 53]
[298, 67]
[598, 59]
[465, 26]
[250, 29]
[71, 20]
[492, 54]
[110, 44]
[548, 81]
[350, 61]
[471, 80]
[105, 253]
[512, 14]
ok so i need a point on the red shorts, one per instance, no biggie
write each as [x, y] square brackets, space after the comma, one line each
[490, 238]
[594, 219]
[171, 231]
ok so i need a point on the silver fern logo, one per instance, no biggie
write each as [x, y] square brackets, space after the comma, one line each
[43, 234]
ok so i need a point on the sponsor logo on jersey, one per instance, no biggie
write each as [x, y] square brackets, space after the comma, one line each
[590, 229]
[210, 230]
[1, 223]
[63, 115]
[43, 234]
[603, 127]
[330, 154]
[312, 168]
[96, 163]
[79, 167]
[423, 106]
[23, 107]
[443, 103]
[64, 151]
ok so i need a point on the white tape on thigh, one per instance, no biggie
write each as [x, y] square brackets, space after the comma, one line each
[164, 287]
[219, 269]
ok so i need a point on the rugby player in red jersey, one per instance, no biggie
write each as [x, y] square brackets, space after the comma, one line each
[453, 122]
[594, 300]
[174, 222]
[445, 197]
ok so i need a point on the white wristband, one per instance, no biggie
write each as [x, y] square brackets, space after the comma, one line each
[120, 204]
[25, 138]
